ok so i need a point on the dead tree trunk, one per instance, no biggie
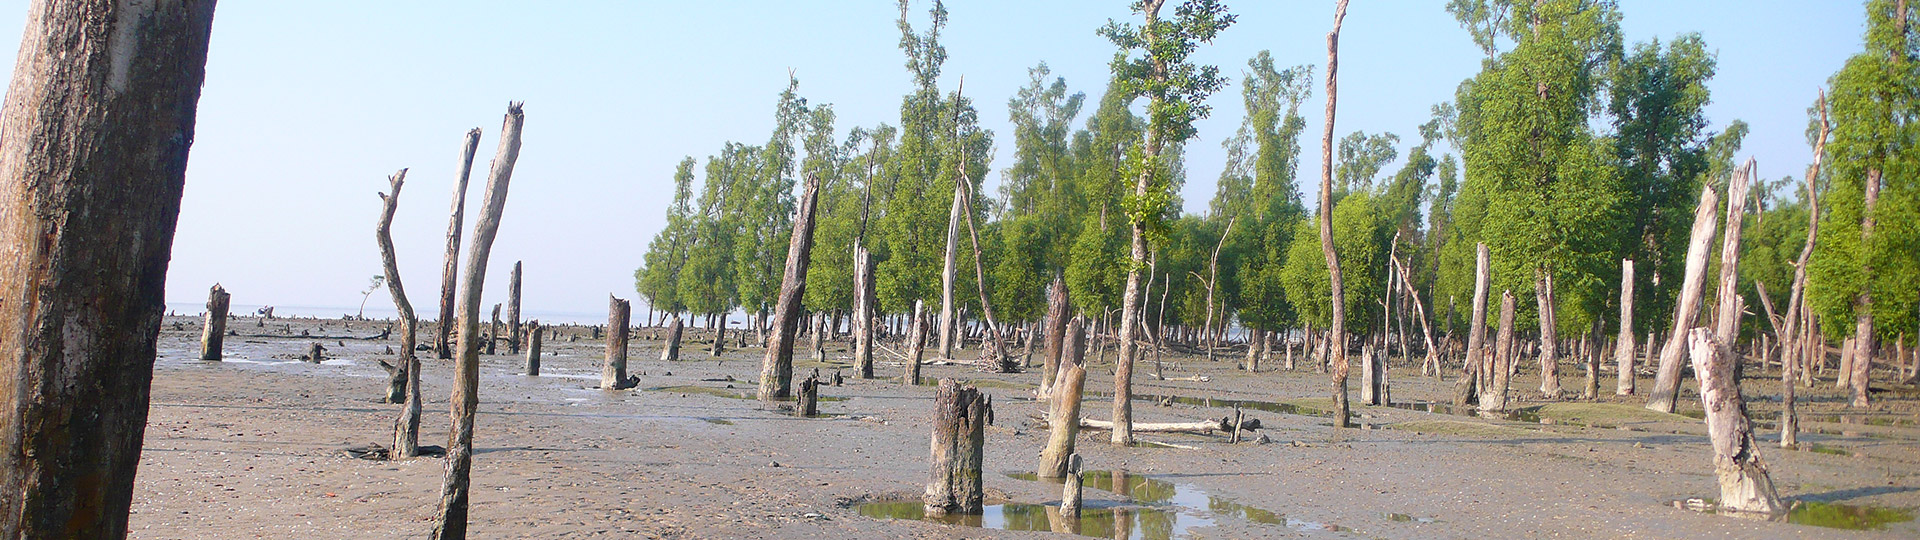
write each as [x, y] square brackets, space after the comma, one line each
[776, 370]
[916, 343]
[1431, 364]
[1728, 304]
[1549, 334]
[613, 372]
[1336, 291]
[1064, 412]
[513, 310]
[947, 275]
[863, 312]
[675, 328]
[533, 348]
[1666, 383]
[1055, 331]
[1623, 350]
[214, 331]
[960, 418]
[1070, 494]
[316, 352]
[993, 356]
[1744, 484]
[1493, 398]
[451, 267]
[404, 380]
[493, 331]
[99, 118]
[1468, 387]
[719, 335]
[452, 519]
[808, 403]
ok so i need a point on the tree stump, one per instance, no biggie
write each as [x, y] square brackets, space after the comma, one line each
[916, 344]
[1493, 398]
[808, 402]
[315, 352]
[863, 312]
[1063, 414]
[1468, 388]
[1744, 483]
[513, 310]
[613, 373]
[1623, 350]
[214, 332]
[533, 348]
[671, 352]
[960, 418]
[1070, 491]
[493, 331]
[1666, 383]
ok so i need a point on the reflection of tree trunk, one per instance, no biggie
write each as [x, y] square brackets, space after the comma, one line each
[1336, 290]
[451, 262]
[1666, 383]
[1744, 483]
[452, 518]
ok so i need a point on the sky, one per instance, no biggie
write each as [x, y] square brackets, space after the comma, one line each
[309, 106]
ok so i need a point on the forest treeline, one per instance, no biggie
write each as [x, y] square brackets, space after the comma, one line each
[1569, 151]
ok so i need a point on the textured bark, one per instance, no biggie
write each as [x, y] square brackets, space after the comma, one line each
[1728, 304]
[863, 311]
[1064, 411]
[406, 369]
[613, 371]
[1369, 373]
[776, 370]
[1336, 289]
[916, 343]
[960, 418]
[493, 331]
[947, 270]
[1666, 383]
[1493, 398]
[1623, 349]
[675, 329]
[1070, 494]
[808, 401]
[719, 334]
[513, 310]
[533, 348]
[452, 515]
[1468, 386]
[450, 270]
[1744, 484]
[1549, 335]
[97, 125]
[214, 331]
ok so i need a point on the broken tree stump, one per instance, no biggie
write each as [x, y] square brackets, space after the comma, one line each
[450, 270]
[960, 417]
[671, 352]
[1063, 414]
[533, 348]
[513, 310]
[315, 353]
[1468, 388]
[808, 401]
[776, 368]
[214, 332]
[916, 344]
[1493, 398]
[493, 331]
[1666, 383]
[863, 311]
[1744, 483]
[1070, 491]
[1624, 348]
[613, 373]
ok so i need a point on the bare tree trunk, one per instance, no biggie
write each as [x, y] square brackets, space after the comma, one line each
[719, 334]
[960, 417]
[1466, 389]
[1728, 304]
[1431, 364]
[493, 331]
[1369, 372]
[404, 380]
[533, 348]
[1549, 334]
[452, 519]
[513, 310]
[675, 327]
[1493, 398]
[993, 357]
[1744, 483]
[1070, 495]
[451, 267]
[99, 118]
[613, 373]
[214, 331]
[1064, 411]
[916, 343]
[1863, 304]
[947, 275]
[1666, 383]
[1623, 350]
[1843, 378]
[863, 312]
[776, 370]
[1336, 289]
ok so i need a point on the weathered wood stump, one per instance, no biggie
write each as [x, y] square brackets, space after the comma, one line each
[533, 348]
[1666, 382]
[916, 344]
[315, 353]
[671, 352]
[960, 418]
[1070, 491]
[807, 404]
[1493, 398]
[493, 331]
[214, 333]
[863, 312]
[1744, 484]
[513, 310]
[1468, 387]
[1063, 414]
[1623, 350]
[613, 373]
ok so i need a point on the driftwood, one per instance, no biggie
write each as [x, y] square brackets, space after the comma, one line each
[1204, 426]
[214, 332]
[1666, 383]
[450, 266]
[451, 519]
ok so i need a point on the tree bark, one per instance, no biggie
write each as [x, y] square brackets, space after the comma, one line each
[1624, 348]
[1549, 334]
[993, 356]
[1064, 411]
[1493, 398]
[960, 418]
[1369, 373]
[1470, 372]
[1336, 290]
[719, 334]
[1863, 304]
[452, 519]
[404, 383]
[1070, 494]
[776, 370]
[1666, 383]
[1744, 483]
[675, 329]
[513, 310]
[533, 348]
[863, 311]
[947, 275]
[214, 331]
[98, 121]
[493, 331]
[613, 372]
[450, 267]
[916, 343]
[1728, 304]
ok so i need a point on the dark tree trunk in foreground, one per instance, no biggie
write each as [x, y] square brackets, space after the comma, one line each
[675, 328]
[1337, 292]
[450, 270]
[1666, 383]
[213, 333]
[452, 518]
[613, 372]
[960, 417]
[513, 310]
[99, 118]
[1623, 350]
[863, 311]
[1063, 414]
[406, 368]
[533, 348]
[1744, 484]
[1476, 362]
[776, 370]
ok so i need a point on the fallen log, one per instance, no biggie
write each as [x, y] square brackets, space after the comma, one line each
[1204, 426]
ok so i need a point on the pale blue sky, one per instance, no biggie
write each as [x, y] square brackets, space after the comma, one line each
[308, 106]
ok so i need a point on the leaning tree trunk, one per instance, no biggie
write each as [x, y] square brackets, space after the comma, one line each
[863, 312]
[452, 518]
[533, 348]
[1666, 383]
[1624, 349]
[1728, 304]
[1432, 359]
[406, 369]
[613, 372]
[1336, 290]
[451, 267]
[513, 310]
[675, 328]
[947, 275]
[960, 417]
[993, 357]
[1797, 315]
[214, 331]
[1064, 412]
[1493, 398]
[98, 121]
[1476, 360]
[776, 371]
[1744, 484]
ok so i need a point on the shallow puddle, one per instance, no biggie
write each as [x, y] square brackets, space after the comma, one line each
[1822, 514]
[726, 392]
[1164, 510]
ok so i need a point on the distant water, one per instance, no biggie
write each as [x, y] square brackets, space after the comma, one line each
[384, 310]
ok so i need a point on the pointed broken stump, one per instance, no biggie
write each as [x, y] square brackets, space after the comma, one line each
[1744, 484]
[613, 374]
[215, 331]
[1070, 491]
[533, 348]
[808, 402]
[960, 418]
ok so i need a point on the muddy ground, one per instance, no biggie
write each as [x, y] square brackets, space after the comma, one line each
[253, 448]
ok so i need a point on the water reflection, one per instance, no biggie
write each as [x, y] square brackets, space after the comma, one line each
[1158, 509]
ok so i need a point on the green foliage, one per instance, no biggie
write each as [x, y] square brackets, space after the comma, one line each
[1176, 90]
[1097, 268]
[1360, 159]
[1359, 240]
[659, 279]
